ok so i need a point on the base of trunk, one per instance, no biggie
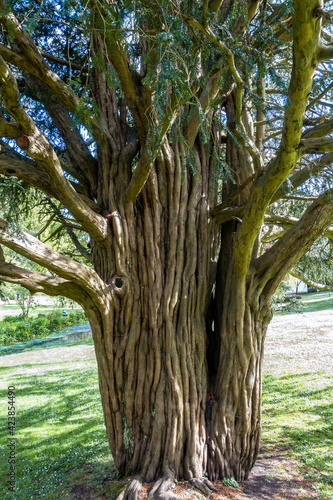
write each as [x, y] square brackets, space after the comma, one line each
[163, 489]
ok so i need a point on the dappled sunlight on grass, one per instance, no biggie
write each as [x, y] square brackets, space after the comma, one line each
[62, 442]
[298, 412]
[60, 430]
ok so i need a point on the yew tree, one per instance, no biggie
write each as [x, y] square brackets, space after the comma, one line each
[185, 149]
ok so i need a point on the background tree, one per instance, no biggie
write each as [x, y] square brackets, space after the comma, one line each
[173, 134]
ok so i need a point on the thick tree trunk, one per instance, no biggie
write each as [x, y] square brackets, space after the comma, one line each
[180, 373]
[235, 404]
[151, 338]
[237, 338]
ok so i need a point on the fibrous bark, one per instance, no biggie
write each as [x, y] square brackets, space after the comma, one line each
[178, 336]
[151, 347]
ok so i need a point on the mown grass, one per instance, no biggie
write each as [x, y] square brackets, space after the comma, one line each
[14, 309]
[319, 301]
[298, 413]
[62, 442]
[310, 302]
[59, 429]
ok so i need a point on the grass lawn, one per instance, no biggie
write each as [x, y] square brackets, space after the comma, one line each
[59, 427]
[312, 302]
[62, 449]
[319, 301]
[298, 414]
[14, 310]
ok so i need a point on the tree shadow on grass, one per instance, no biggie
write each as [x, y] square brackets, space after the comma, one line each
[300, 409]
[60, 431]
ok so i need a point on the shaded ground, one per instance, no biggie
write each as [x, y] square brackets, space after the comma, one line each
[275, 476]
[295, 343]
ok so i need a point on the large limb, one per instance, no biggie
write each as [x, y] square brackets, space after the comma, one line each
[297, 274]
[285, 223]
[31, 60]
[54, 286]
[322, 130]
[296, 180]
[38, 147]
[9, 129]
[222, 213]
[288, 222]
[12, 164]
[317, 145]
[138, 96]
[306, 32]
[39, 282]
[83, 161]
[287, 251]
[44, 255]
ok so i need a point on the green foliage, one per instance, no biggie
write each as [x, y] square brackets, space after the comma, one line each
[20, 329]
[230, 482]
[317, 264]
[284, 301]
[16, 199]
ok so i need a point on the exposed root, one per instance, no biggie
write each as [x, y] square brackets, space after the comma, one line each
[203, 485]
[162, 489]
[132, 490]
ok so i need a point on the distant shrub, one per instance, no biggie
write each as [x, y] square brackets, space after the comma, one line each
[13, 319]
[285, 301]
[17, 329]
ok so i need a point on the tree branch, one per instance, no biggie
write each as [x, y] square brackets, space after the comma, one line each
[37, 146]
[288, 222]
[316, 146]
[11, 130]
[44, 255]
[325, 53]
[306, 32]
[208, 94]
[302, 176]
[30, 59]
[319, 97]
[85, 164]
[69, 228]
[63, 62]
[230, 59]
[39, 282]
[12, 164]
[287, 251]
[139, 177]
[297, 274]
[138, 96]
[222, 213]
[322, 130]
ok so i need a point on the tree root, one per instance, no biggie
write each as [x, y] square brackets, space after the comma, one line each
[203, 485]
[132, 490]
[163, 488]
